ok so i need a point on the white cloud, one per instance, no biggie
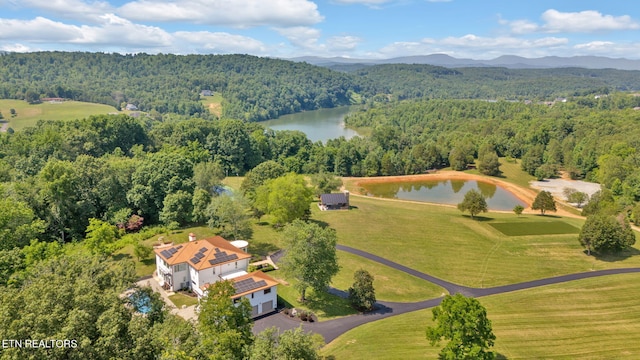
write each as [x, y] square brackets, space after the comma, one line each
[218, 42]
[237, 13]
[473, 46]
[586, 21]
[21, 48]
[364, 2]
[343, 43]
[301, 36]
[112, 31]
[70, 9]
[608, 49]
[37, 30]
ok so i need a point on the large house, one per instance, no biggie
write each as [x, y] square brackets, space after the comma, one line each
[199, 263]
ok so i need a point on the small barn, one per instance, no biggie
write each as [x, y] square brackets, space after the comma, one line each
[337, 201]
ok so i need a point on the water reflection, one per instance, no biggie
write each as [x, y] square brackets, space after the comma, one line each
[444, 192]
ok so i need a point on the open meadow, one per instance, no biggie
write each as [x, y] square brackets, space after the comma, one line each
[596, 318]
[28, 115]
[443, 242]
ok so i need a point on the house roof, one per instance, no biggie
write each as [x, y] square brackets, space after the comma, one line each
[202, 254]
[334, 199]
[249, 283]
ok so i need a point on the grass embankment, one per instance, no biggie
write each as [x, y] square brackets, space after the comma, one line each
[28, 115]
[595, 318]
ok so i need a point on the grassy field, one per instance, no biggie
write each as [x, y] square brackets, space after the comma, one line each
[28, 115]
[443, 242]
[535, 228]
[596, 318]
[389, 284]
[213, 103]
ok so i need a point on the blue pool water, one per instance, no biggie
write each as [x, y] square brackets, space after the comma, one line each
[141, 302]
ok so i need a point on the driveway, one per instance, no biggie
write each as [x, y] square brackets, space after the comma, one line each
[331, 329]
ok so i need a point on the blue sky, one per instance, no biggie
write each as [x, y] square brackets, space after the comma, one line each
[351, 28]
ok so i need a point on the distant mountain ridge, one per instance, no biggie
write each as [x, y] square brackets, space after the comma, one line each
[507, 61]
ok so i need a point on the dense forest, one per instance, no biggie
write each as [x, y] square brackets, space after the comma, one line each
[254, 88]
[257, 88]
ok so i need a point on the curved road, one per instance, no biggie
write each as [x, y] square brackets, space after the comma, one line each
[331, 329]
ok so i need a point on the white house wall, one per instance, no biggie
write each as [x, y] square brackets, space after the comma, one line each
[259, 298]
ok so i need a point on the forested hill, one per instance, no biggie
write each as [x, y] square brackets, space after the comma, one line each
[254, 88]
[257, 88]
[405, 81]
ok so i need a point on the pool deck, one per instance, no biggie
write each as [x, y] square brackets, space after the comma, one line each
[187, 312]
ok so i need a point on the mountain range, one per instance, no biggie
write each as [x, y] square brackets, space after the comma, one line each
[506, 61]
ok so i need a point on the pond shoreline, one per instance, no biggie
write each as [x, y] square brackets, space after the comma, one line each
[524, 194]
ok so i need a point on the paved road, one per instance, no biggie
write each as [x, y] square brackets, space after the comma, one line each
[331, 329]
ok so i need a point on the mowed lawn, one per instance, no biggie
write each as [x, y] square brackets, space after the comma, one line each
[28, 115]
[596, 318]
[389, 284]
[535, 228]
[443, 242]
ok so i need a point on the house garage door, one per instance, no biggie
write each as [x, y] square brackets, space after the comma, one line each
[267, 307]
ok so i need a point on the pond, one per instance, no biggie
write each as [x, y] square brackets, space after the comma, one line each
[443, 192]
[318, 125]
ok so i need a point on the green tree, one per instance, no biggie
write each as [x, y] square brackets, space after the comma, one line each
[325, 183]
[257, 176]
[574, 196]
[310, 256]
[488, 162]
[463, 322]
[286, 198]
[473, 202]
[544, 202]
[606, 234]
[460, 156]
[18, 224]
[177, 207]
[100, 237]
[291, 344]
[206, 175]
[601, 202]
[230, 213]
[225, 326]
[518, 209]
[533, 158]
[362, 294]
[141, 251]
[201, 199]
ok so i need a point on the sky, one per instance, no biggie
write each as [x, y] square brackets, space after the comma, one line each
[363, 29]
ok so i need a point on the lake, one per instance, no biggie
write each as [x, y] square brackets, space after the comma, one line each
[318, 125]
[443, 192]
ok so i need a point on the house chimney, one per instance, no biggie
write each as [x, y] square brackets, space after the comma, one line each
[192, 237]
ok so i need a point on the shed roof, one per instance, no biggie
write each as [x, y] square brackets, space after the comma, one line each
[334, 199]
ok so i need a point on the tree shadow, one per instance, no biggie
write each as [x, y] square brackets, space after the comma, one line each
[613, 257]
[501, 356]
[320, 223]
[352, 207]
[329, 304]
[549, 216]
[149, 261]
[118, 257]
[478, 218]
[262, 248]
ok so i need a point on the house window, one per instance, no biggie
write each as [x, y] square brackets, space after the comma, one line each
[214, 271]
[236, 264]
[267, 291]
[252, 295]
[180, 267]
